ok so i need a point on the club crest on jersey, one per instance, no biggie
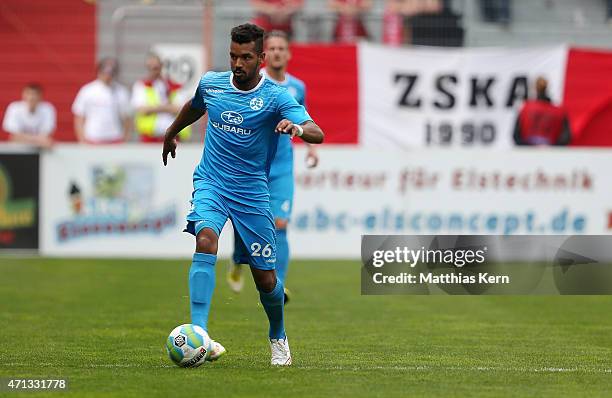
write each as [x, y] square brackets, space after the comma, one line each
[256, 103]
[232, 117]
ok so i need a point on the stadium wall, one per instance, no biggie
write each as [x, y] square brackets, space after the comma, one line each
[49, 42]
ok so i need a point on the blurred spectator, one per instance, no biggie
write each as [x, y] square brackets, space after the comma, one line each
[393, 23]
[540, 122]
[31, 120]
[276, 14]
[349, 25]
[102, 108]
[397, 20]
[156, 101]
[609, 9]
[437, 25]
[495, 10]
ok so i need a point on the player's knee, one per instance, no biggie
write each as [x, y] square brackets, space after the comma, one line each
[207, 242]
[281, 223]
[265, 280]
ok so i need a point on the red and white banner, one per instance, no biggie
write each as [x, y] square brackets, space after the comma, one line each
[446, 97]
[441, 97]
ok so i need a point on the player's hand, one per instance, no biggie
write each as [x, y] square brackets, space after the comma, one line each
[312, 157]
[286, 127]
[169, 148]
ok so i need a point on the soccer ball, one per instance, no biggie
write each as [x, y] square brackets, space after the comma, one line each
[188, 346]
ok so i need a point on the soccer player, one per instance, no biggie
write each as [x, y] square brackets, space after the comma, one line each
[281, 172]
[246, 114]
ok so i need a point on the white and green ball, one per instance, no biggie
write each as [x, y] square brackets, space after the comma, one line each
[188, 346]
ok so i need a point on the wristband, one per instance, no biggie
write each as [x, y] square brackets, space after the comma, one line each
[300, 130]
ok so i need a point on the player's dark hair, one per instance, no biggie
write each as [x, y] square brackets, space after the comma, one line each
[248, 33]
[34, 86]
[277, 33]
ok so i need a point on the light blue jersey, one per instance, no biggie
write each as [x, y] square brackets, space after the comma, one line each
[231, 181]
[283, 161]
[281, 185]
[240, 138]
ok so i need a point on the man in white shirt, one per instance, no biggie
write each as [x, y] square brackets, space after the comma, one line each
[156, 102]
[30, 121]
[101, 108]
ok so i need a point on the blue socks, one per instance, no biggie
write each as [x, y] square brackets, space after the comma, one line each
[201, 287]
[282, 254]
[274, 303]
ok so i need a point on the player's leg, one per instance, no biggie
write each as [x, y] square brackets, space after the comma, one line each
[205, 222]
[281, 204]
[282, 248]
[256, 229]
[235, 278]
[202, 276]
[282, 253]
[272, 297]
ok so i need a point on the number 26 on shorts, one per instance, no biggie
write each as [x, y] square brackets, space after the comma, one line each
[257, 251]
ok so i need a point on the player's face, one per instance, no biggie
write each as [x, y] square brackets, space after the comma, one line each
[245, 61]
[277, 52]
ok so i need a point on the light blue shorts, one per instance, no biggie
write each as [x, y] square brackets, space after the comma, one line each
[252, 224]
[281, 204]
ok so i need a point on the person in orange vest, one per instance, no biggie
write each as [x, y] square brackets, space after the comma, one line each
[156, 102]
[540, 122]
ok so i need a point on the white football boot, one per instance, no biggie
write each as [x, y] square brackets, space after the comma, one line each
[235, 280]
[216, 351]
[281, 356]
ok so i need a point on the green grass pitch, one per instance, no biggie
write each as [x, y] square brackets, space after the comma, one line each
[102, 325]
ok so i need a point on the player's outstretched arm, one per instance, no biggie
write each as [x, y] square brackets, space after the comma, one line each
[186, 117]
[307, 131]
